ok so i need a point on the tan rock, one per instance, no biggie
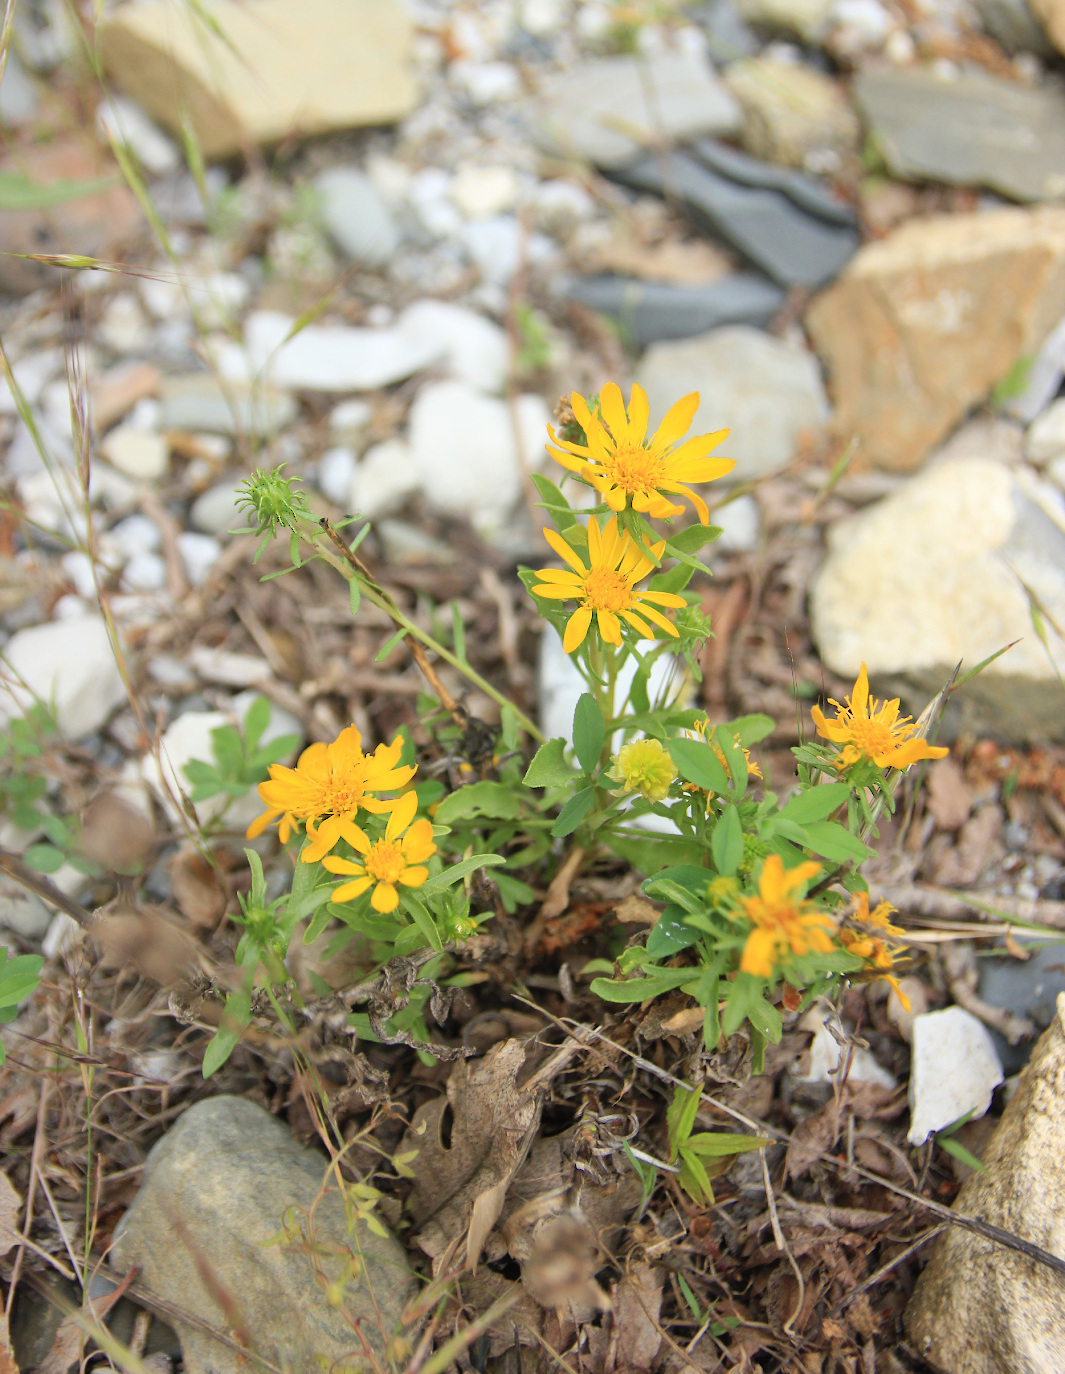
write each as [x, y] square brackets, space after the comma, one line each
[282, 67]
[791, 112]
[922, 324]
[979, 1307]
[1051, 14]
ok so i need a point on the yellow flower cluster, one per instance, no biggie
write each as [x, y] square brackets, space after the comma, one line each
[783, 920]
[869, 941]
[869, 729]
[329, 786]
[628, 471]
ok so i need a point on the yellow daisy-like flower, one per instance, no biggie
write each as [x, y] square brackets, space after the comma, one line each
[326, 789]
[871, 729]
[644, 766]
[871, 946]
[782, 920]
[607, 586]
[624, 466]
[397, 858]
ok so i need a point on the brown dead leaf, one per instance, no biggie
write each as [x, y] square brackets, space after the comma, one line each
[811, 1138]
[636, 1338]
[198, 889]
[149, 938]
[949, 798]
[115, 834]
[636, 910]
[470, 1144]
[10, 1206]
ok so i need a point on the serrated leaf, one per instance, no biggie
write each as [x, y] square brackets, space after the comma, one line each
[492, 799]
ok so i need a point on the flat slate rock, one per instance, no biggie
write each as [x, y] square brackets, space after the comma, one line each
[972, 130]
[782, 221]
[649, 311]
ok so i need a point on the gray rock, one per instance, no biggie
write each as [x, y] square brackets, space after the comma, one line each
[784, 222]
[199, 553]
[973, 130]
[215, 510]
[18, 95]
[649, 311]
[1013, 26]
[765, 390]
[1029, 987]
[407, 546]
[1045, 439]
[728, 35]
[1042, 379]
[217, 1189]
[357, 219]
[197, 402]
[145, 572]
[598, 111]
[810, 19]
[967, 537]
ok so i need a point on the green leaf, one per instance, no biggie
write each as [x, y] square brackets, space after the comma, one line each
[589, 731]
[693, 538]
[19, 976]
[716, 1144]
[427, 927]
[492, 799]
[675, 580]
[680, 1117]
[548, 767]
[458, 632]
[670, 934]
[354, 595]
[553, 499]
[18, 192]
[726, 842]
[390, 643]
[43, 858]
[829, 839]
[816, 803]
[751, 729]
[513, 892]
[235, 1017]
[640, 989]
[698, 763]
[457, 872]
[958, 1150]
[575, 810]
[228, 750]
[255, 722]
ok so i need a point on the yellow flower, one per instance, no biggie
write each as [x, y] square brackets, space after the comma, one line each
[872, 947]
[606, 586]
[872, 730]
[623, 465]
[644, 766]
[397, 858]
[327, 787]
[782, 920]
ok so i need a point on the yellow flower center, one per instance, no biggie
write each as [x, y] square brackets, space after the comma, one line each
[606, 590]
[871, 737]
[385, 861]
[635, 469]
[339, 794]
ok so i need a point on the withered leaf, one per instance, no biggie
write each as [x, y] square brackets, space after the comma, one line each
[10, 1206]
[636, 1337]
[116, 834]
[147, 937]
[198, 889]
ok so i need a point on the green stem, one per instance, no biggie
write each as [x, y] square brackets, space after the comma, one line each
[379, 598]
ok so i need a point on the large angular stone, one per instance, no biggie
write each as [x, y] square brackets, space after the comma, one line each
[793, 114]
[217, 1195]
[649, 311]
[941, 571]
[971, 130]
[766, 391]
[1051, 14]
[923, 324]
[275, 68]
[67, 664]
[610, 110]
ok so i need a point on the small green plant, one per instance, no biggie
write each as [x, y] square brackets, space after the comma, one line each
[706, 1153]
[955, 1148]
[19, 979]
[241, 762]
[24, 742]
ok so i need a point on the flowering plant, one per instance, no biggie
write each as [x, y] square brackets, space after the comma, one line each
[764, 905]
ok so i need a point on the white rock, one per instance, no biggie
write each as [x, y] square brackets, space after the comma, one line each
[139, 453]
[349, 417]
[827, 1056]
[383, 480]
[32, 374]
[967, 537]
[954, 1069]
[464, 450]
[145, 572]
[767, 391]
[20, 911]
[199, 553]
[1045, 440]
[332, 357]
[356, 217]
[481, 192]
[215, 510]
[122, 326]
[559, 206]
[78, 567]
[430, 197]
[165, 299]
[472, 348]
[125, 122]
[136, 534]
[18, 94]
[560, 685]
[185, 739]
[64, 934]
[172, 673]
[486, 83]
[336, 472]
[543, 18]
[218, 299]
[229, 669]
[282, 722]
[145, 414]
[69, 663]
[54, 500]
[740, 522]
[496, 247]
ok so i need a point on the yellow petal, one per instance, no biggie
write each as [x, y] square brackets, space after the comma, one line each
[577, 628]
[402, 815]
[678, 420]
[385, 898]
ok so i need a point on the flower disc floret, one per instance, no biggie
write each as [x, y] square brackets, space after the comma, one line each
[395, 860]
[626, 467]
[782, 920]
[644, 766]
[606, 585]
[869, 729]
[327, 788]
